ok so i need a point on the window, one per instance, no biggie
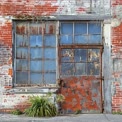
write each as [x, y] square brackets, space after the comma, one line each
[35, 53]
[80, 48]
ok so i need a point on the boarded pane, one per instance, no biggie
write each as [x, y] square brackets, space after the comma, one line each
[94, 28]
[80, 39]
[36, 41]
[36, 53]
[80, 28]
[21, 77]
[50, 78]
[36, 66]
[49, 28]
[66, 28]
[22, 53]
[50, 40]
[21, 40]
[21, 28]
[93, 68]
[95, 39]
[49, 65]
[50, 53]
[36, 78]
[67, 69]
[66, 39]
[80, 69]
[22, 65]
[67, 55]
[80, 55]
[93, 55]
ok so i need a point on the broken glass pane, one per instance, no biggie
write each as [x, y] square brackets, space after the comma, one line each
[67, 55]
[66, 28]
[80, 39]
[50, 40]
[21, 65]
[49, 65]
[36, 53]
[22, 53]
[36, 66]
[95, 39]
[67, 69]
[93, 55]
[36, 78]
[66, 39]
[50, 78]
[80, 28]
[49, 53]
[80, 69]
[93, 68]
[36, 41]
[94, 28]
[21, 77]
[80, 55]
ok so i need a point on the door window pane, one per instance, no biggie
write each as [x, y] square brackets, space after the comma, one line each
[66, 28]
[66, 39]
[95, 39]
[80, 39]
[80, 69]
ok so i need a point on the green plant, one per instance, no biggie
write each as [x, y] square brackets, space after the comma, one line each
[119, 113]
[78, 112]
[41, 107]
[60, 98]
[16, 112]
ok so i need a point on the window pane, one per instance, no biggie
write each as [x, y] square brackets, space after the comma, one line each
[22, 53]
[93, 55]
[21, 41]
[66, 28]
[36, 41]
[95, 39]
[21, 77]
[94, 28]
[80, 55]
[67, 55]
[22, 65]
[36, 78]
[50, 78]
[50, 40]
[49, 65]
[67, 69]
[49, 53]
[49, 28]
[80, 28]
[93, 68]
[80, 69]
[81, 39]
[36, 66]
[36, 53]
[66, 39]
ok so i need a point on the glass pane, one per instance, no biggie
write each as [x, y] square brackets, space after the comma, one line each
[36, 41]
[36, 66]
[80, 55]
[94, 28]
[50, 40]
[80, 68]
[66, 39]
[22, 53]
[49, 65]
[93, 68]
[50, 78]
[36, 78]
[50, 53]
[95, 39]
[81, 39]
[93, 55]
[21, 41]
[80, 28]
[22, 65]
[67, 69]
[21, 77]
[66, 28]
[67, 55]
[36, 53]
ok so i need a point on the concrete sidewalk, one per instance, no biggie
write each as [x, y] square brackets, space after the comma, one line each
[69, 118]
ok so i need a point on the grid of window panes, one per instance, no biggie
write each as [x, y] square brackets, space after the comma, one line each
[35, 56]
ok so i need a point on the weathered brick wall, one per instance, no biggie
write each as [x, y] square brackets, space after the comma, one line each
[117, 56]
